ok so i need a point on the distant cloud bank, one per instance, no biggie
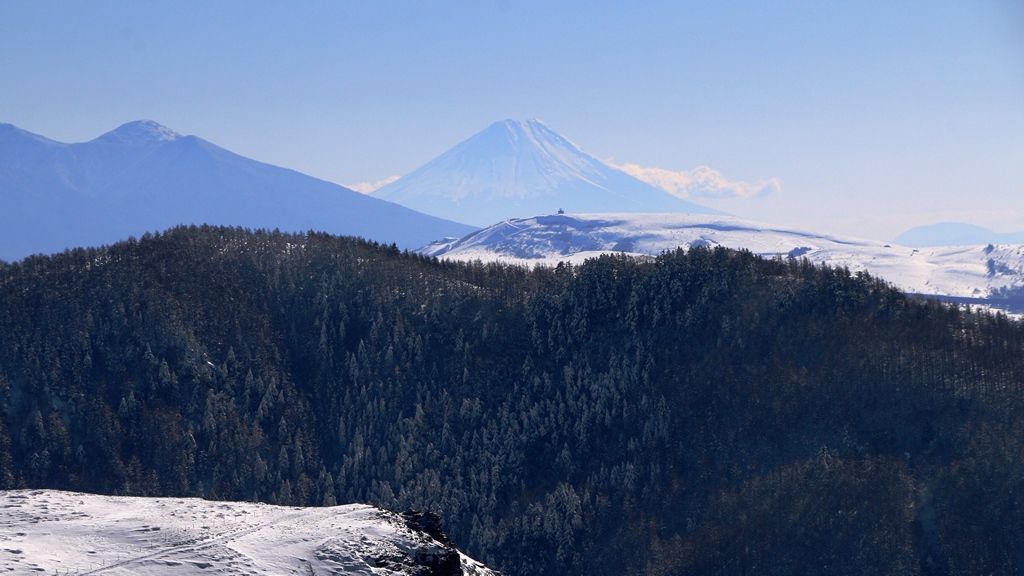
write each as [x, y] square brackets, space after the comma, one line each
[701, 182]
[367, 187]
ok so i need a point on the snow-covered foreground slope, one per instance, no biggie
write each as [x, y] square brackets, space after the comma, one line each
[53, 532]
[972, 272]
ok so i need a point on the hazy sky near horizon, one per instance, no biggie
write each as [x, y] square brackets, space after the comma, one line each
[870, 116]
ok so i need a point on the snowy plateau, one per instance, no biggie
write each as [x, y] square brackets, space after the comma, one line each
[53, 532]
[991, 275]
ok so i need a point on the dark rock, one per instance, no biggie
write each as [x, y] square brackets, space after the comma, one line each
[442, 560]
[427, 522]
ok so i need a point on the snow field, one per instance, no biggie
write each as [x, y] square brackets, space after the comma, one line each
[54, 532]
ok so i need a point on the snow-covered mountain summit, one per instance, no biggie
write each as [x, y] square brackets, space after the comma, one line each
[992, 274]
[139, 133]
[53, 532]
[522, 168]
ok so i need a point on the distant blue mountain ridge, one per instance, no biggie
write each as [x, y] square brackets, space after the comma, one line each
[144, 177]
[955, 234]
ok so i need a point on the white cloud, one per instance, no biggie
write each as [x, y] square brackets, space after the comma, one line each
[367, 187]
[701, 182]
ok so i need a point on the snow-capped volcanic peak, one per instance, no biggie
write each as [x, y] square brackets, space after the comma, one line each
[139, 133]
[52, 532]
[520, 158]
[517, 168]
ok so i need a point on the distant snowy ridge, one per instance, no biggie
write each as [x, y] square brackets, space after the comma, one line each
[517, 168]
[54, 532]
[966, 272]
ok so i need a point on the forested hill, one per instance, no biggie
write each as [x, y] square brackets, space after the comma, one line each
[707, 411]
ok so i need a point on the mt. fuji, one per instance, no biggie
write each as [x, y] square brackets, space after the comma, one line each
[144, 177]
[516, 169]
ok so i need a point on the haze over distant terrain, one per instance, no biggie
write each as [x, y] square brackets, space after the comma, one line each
[515, 169]
[144, 177]
[872, 117]
[956, 234]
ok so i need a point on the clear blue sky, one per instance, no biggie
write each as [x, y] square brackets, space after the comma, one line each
[874, 116]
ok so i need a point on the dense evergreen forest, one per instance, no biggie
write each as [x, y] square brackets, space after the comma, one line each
[703, 412]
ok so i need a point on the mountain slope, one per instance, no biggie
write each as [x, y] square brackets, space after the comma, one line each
[962, 272]
[515, 169]
[627, 416]
[956, 234]
[145, 177]
[49, 531]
